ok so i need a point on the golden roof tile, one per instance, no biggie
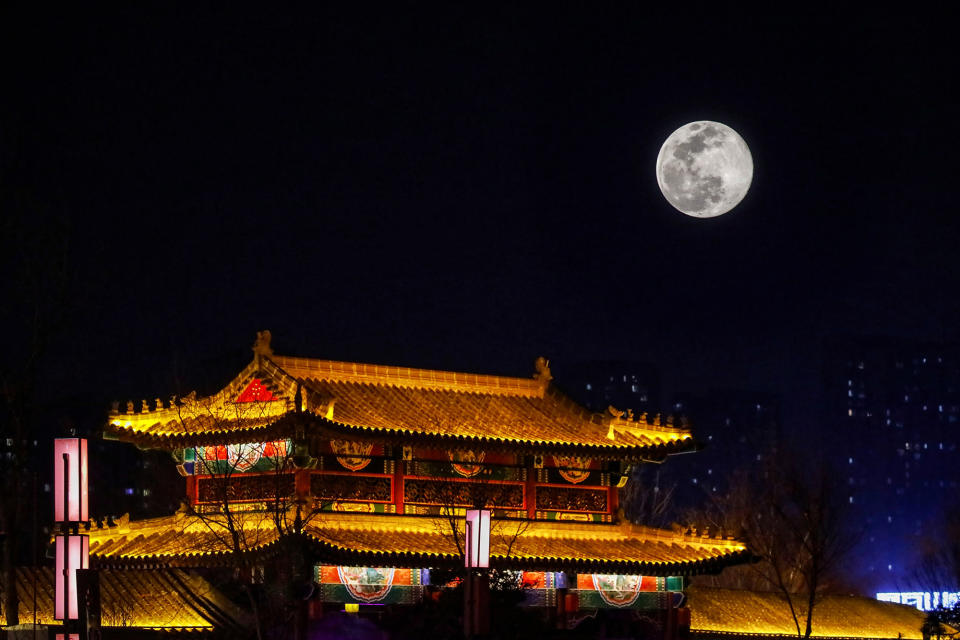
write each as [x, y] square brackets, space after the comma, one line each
[170, 599]
[371, 400]
[422, 541]
[730, 611]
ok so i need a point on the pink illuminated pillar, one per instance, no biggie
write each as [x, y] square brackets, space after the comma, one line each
[476, 609]
[477, 544]
[69, 510]
[75, 556]
[70, 477]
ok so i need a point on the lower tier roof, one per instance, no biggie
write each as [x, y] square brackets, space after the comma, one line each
[414, 541]
[168, 599]
[736, 613]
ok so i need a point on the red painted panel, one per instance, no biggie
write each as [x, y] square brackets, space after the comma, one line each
[256, 392]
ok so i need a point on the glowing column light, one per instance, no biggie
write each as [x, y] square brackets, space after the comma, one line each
[76, 556]
[70, 509]
[477, 545]
[70, 478]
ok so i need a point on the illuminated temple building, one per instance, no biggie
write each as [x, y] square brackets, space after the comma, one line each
[371, 468]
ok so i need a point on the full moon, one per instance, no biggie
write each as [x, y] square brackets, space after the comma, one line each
[704, 169]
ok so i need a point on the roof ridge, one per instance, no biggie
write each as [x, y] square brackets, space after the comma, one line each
[399, 376]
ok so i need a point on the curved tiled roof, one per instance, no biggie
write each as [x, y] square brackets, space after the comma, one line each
[377, 400]
[729, 612]
[393, 540]
[165, 599]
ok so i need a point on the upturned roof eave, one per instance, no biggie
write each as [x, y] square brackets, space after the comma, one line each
[334, 554]
[291, 424]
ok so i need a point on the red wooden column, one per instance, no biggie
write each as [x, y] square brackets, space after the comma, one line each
[613, 491]
[398, 470]
[301, 481]
[613, 498]
[192, 489]
[530, 490]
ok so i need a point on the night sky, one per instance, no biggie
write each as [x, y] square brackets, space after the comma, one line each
[469, 188]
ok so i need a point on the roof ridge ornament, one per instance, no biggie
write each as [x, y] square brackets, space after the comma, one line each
[543, 374]
[261, 346]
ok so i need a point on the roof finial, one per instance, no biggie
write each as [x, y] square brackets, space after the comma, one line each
[261, 346]
[543, 370]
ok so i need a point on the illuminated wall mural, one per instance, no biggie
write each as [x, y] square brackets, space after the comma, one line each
[369, 585]
[250, 456]
[604, 591]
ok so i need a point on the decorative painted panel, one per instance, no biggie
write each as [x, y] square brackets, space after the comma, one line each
[436, 469]
[243, 487]
[467, 463]
[369, 585]
[573, 469]
[340, 487]
[570, 472]
[358, 507]
[571, 516]
[620, 591]
[463, 494]
[368, 465]
[352, 455]
[232, 458]
[438, 510]
[570, 499]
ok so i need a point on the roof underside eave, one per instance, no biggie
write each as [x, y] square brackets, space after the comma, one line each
[327, 553]
[288, 426]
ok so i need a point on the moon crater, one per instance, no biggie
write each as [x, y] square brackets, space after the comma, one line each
[704, 169]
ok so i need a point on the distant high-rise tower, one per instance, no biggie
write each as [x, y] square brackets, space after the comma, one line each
[893, 407]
